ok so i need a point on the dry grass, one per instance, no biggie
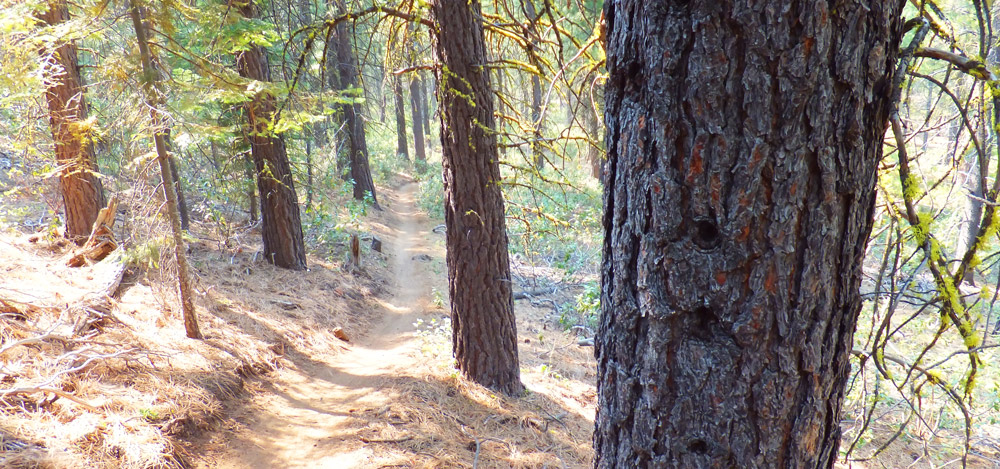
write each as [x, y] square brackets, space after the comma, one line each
[445, 421]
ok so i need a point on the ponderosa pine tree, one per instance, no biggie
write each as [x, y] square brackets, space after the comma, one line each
[416, 104]
[82, 193]
[397, 92]
[357, 145]
[281, 225]
[743, 140]
[484, 335]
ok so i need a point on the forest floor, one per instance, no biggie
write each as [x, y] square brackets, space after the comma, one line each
[385, 402]
[89, 380]
[272, 384]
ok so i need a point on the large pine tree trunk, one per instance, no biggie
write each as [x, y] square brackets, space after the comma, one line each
[743, 139]
[484, 334]
[353, 121]
[281, 224]
[397, 91]
[81, 190]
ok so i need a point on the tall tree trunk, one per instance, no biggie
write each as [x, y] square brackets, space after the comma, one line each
[484, 334]
[419, 150]
[380, 95]
[154, 101]
[340, 139]
[281, 225]
[397, 91]
[743, 140]
[353, 121]
[81, 189]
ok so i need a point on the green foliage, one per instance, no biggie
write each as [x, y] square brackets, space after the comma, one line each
[435, 336]
[437, 298]
[431, 196]
[586, 311]
[146, 254]
[555, 222]
[150, 415]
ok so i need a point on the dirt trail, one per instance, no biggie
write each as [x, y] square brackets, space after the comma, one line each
[308, 415]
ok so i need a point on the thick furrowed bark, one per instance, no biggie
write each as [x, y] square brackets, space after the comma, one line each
[483, 326]
[281, 225]
[743, 140]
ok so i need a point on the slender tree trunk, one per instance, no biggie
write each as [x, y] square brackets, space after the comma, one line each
[419, 150]
[743, 140]
[593, 149]
[154, 101]
[309, 174]
[182, 207]
[484, 334]
[536, 122]
[281, 225]
[397, 91]
[430, 110]
[357, 146]
[213, 149]
[381, 95]
[81, 189]
[536, 90]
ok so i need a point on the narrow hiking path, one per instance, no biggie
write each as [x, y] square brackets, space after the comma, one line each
[317, 412]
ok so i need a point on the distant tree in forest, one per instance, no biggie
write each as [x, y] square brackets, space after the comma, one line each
[417, 106]
[82, 192]
[743, 143]
[484, 334]
[397, 92]
[357, 145]
[536, 83]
